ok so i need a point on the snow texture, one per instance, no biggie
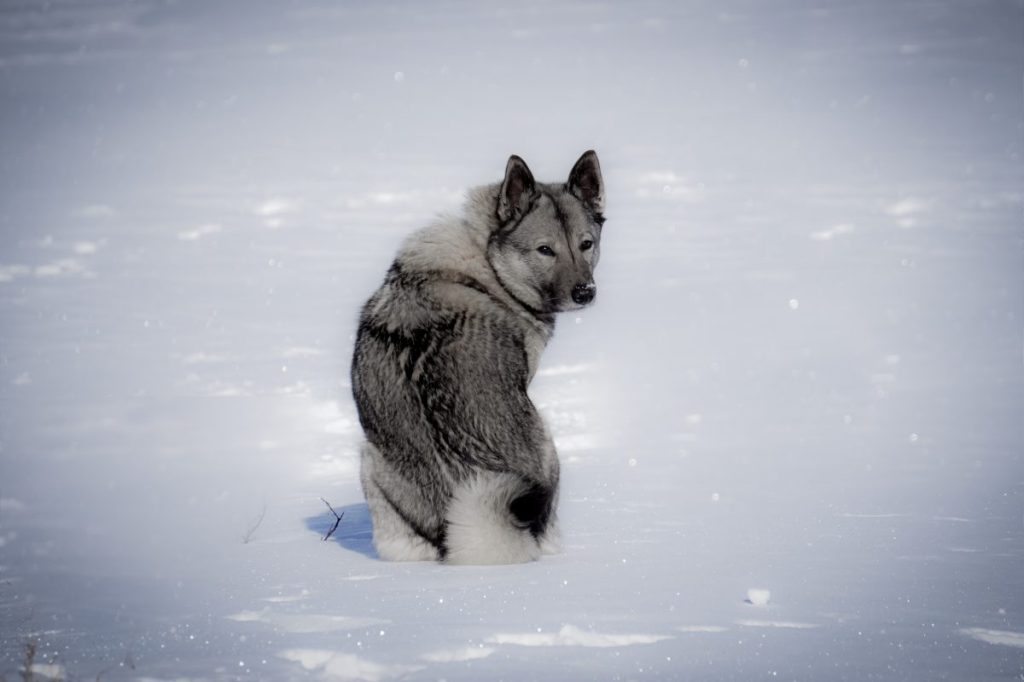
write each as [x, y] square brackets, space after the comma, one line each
[758, 597]
[804, 370]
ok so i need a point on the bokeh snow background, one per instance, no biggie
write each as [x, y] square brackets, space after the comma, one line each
[803, 373]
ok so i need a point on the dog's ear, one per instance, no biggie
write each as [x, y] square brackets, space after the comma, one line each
[516, 191]
[585, 181]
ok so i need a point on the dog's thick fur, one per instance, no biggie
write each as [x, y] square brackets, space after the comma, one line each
[459, 466]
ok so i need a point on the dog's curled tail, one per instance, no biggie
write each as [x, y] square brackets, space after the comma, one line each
[496, 518]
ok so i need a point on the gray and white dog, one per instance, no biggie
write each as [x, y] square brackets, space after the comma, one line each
[459, 466]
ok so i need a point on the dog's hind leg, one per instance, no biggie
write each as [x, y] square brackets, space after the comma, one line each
[394, 537]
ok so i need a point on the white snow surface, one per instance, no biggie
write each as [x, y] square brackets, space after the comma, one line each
[804, 369]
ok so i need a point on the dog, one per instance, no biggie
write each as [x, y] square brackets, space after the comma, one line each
[458, 465]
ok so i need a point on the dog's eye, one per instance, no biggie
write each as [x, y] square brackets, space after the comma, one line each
[545, 250]
[586, 245]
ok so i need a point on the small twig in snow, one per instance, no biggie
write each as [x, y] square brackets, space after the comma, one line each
[256, 524]
[337, 519]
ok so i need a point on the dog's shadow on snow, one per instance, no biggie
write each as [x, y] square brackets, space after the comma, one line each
[354, 533]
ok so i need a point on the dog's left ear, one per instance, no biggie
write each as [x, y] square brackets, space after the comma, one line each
[585, 181]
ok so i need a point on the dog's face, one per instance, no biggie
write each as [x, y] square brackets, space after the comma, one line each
[549, 237]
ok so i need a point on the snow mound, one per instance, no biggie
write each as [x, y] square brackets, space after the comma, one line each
[571, 635]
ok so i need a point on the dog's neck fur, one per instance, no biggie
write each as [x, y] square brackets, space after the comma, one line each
[463, 253]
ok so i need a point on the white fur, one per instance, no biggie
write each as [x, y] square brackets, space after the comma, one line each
[403, 547]
[481, 529]
[551, 541]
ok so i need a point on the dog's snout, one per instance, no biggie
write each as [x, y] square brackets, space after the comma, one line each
[583, 293]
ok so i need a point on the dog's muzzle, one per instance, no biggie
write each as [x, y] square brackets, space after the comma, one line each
[583, 293]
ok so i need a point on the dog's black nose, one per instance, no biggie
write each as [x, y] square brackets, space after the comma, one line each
[583, 293]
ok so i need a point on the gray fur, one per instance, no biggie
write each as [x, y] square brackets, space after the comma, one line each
[446, 349]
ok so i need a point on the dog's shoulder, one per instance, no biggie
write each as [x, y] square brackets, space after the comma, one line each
[453, 246]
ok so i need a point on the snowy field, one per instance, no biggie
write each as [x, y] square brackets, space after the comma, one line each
[804, 372]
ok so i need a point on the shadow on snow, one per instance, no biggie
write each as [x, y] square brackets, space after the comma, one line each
[354, 533]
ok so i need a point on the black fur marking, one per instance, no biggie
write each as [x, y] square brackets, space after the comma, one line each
[442, 542]
[436, 540]
[457, 278]
[524, 379]
[417, 343]
[532, 509]
[421, 343]
[397, 275]
[539, 314]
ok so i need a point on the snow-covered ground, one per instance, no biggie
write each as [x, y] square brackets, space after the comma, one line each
[804, 373]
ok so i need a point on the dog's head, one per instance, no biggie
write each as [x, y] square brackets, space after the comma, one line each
[548, 238]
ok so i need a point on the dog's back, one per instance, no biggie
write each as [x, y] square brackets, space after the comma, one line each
[458, 464]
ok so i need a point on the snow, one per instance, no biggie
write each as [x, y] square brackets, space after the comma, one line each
[335, 665]
[1015, 639]
[803, 370]
[570, 635]
[758, 596]
[775, 624]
